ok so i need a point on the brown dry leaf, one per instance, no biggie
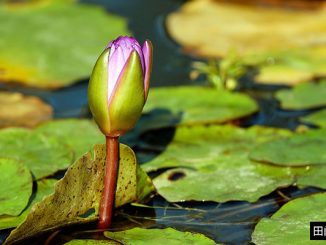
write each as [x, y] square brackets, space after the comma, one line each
[291, 42]
[17, 110]
[77, 195]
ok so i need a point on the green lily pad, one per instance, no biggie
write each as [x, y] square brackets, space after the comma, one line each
[44, 187]
[317, 118]
[299, 150]
[92, 242]
[77, 195]
[43, 155]
[303, 96]
[291, 224]
[139, 236]
[52, 54]
[196, 105]
[314, 176]
[15, 187]
[216, 159]
[78, 134]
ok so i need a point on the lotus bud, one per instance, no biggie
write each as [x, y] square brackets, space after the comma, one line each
[119, 84]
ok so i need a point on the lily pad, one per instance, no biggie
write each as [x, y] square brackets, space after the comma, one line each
[196, 105]
[317, 118]
[303, 96]
[53, 54]
[79, 134]
[43, 155]
[304, 149]
[217, 155]
[44, 187]
[17, 110]
[314, 176]
[92, 242]
[77, 195]
[15, 187]
[296, 48]
[291, 224]
[139, 236]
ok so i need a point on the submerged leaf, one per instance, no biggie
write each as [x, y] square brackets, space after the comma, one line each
[299, 150]
[215, 158]
[15, 187]
[195, 105]
[44, 187]
[78, 134]
[17, 110]
[43, 155]
[52, 54]
[170, 236]
[291, 224]
[77, 195]
[303, 96]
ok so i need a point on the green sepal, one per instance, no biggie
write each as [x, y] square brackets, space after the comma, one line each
[127, 101]
[98, 92]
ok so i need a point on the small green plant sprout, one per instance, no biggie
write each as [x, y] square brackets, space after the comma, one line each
[222, 74]
[117, 92]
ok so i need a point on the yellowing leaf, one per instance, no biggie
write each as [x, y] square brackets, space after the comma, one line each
[77, 195]
[288, 45]
[17, 110]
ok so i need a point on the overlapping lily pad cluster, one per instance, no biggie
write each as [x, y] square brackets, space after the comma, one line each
[209, 157]
[209, 162]
[225, 161]
[38, 155]
[260, 159]
[286, 46]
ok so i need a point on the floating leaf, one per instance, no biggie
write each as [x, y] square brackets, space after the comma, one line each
[79, 134]
[291, 224]
[295, 52]
[138, 236]
[303, 96]
[299, 150]
[55, 53]
[44, 187]
[314, 176]
[196, 105]
[43, 155]
[15, 187]
[317, 118]
[77, 194]
[92, 242]
[17, 110]
[216, 159]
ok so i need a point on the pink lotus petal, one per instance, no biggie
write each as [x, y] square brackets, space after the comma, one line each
[116, 64]
[147, 51]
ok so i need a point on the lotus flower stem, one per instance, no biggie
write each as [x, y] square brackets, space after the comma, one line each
[110, 182]
[117, 92]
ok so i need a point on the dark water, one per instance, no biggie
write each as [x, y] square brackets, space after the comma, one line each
[231, 222]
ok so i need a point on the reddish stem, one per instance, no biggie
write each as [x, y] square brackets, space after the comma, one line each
[110, 182]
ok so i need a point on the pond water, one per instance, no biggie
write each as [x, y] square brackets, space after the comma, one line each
[230, 222]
